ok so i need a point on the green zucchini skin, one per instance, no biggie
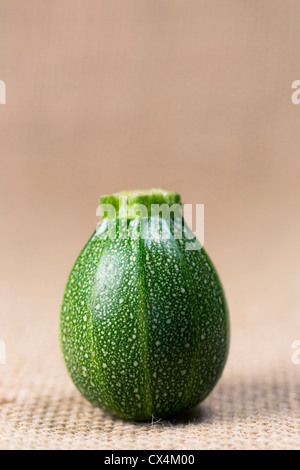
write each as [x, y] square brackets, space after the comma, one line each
[144, 324]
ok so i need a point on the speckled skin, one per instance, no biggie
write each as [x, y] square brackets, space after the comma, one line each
[144, 323]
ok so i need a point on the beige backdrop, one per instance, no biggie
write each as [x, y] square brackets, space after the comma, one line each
[193, 96]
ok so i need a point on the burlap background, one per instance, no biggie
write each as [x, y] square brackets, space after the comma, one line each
[254, 406]
[194, 96]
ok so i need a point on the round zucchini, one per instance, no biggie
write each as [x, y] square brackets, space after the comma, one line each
[144, 323]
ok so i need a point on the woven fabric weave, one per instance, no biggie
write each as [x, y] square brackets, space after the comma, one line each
[254, 406]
